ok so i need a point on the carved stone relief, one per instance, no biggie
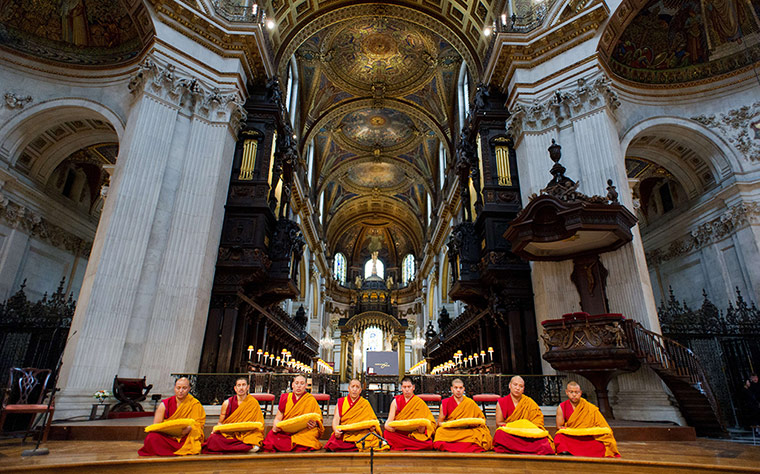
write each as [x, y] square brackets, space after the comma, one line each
[737, 126]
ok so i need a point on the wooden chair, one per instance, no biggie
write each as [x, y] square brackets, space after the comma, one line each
[26, 393]
[487, 402]
[129, 392]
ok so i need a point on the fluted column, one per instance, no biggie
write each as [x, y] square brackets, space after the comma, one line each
[579, 114]
[343, 347]
[143, 304]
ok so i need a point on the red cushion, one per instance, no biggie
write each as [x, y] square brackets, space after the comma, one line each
[263, 397]
[21, 408]
[430, 397]
[486, 397]
[322, 397]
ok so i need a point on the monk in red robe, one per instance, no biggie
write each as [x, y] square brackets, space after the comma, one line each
[466, 439]
[408, 406]
[181, 405]
[349, 410]
[297, 403]
[241, 407]
[577, 413]
[514, 407]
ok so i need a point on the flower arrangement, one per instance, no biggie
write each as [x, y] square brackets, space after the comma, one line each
[101, 395]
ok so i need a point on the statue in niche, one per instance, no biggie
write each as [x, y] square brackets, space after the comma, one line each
[388, 345]
[358, 282]
[389, 282]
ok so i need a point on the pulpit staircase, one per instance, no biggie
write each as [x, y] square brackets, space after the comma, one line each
[681, 371]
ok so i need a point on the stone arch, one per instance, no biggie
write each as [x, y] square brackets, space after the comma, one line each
[25, 126]
[723, 160]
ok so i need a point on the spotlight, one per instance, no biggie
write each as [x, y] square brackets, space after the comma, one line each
[270, 24]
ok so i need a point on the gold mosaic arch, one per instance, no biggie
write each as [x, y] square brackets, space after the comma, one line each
[351, 145]
[310, 25]
[409, 108]
[356, 210]
[369, 319]
[410, 170]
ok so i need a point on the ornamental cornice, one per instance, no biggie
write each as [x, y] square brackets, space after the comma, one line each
[21, 217]
[211, 35]
[188, 93]
[518, 50]
[586, 96]
[710, 232]
[741, 127]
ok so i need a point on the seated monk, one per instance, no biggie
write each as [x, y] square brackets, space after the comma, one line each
[514, 407]
[408, 406]
[349, 410]
[181, 405]
[467, 439]
[576, 412]
[297, 403]
[240, 408]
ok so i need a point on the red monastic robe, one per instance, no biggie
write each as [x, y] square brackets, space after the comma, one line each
[526, 409]
[304, 440]
[410, 441]
[585, 415]
[462, 440]
[159, 444]
[241, 442]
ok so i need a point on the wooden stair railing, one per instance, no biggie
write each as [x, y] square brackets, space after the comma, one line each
[681, 371]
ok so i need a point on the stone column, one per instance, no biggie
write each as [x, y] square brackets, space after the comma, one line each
[11, 259]
[580, 115]
[144, 300]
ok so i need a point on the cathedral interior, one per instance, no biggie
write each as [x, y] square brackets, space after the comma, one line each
[229, 186]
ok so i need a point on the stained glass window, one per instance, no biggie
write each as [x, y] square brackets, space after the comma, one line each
[407, 269]
[339, 268]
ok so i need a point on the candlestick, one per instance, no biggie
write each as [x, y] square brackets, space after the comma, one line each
[250, 352]
[490, 352]
[258, 355]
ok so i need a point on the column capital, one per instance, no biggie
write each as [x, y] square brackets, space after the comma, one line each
[186, 92]
[587, 95]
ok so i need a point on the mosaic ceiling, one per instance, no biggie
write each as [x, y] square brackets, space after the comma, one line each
[82, 32]
[378, 97]
[678, 41]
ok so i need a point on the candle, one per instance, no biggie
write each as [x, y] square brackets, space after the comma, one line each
[250, 352]
[490, 352]
[258, 355]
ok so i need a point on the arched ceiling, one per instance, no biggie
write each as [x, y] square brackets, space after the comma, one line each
[81, 32]
[377, 87]
[681, 41]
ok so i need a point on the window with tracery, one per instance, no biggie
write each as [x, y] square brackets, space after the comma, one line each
[407, 269]
[339, 268]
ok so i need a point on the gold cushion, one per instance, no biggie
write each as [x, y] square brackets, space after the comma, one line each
[297, 423]
[595, 431]
[361, 425]
[170, 427]
[238, 427]
[464, 423]
[525, 429]
[411, 424]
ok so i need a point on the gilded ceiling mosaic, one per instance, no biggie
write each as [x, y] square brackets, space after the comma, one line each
[84, 32]
[675, 41]
[378, 99]
[380, 128]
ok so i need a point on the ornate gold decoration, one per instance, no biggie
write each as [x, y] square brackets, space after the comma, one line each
[249, 159]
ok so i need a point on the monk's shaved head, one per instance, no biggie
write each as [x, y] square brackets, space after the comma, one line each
[299, 376]
[455, 381]
[354, 380]
[182, 379]
[516, 378]
[573, 384]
